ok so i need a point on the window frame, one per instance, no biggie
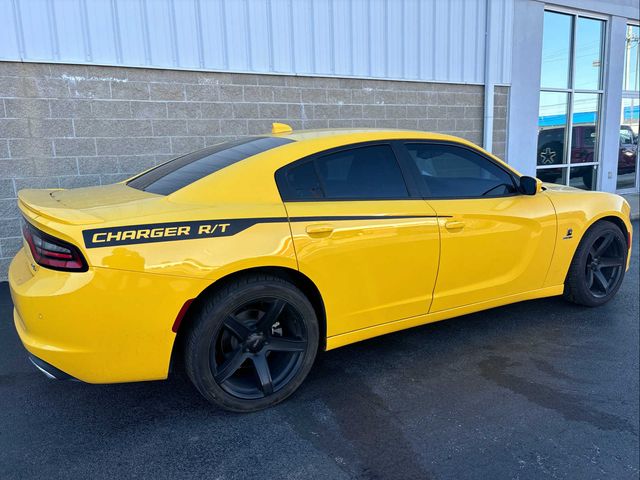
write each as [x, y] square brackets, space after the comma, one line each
[287, 195]
[426, 195]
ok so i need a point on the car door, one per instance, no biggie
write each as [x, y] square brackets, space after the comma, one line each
[495, 242]
[369, 244]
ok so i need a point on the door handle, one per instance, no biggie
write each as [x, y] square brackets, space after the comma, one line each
[454, 225]
[319, 229]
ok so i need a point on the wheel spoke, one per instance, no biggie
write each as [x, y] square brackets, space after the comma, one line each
[271, 315]
[279, 344]
[611, 262]
[230, 366]
[606, 241]
[236, 327]
[590, 277]
[599, 276]
[264, 373]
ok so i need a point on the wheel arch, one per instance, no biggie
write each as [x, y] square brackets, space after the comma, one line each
[616, 220]
[577, 289]
[300, 280]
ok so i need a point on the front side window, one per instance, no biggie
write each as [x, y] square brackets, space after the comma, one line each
[362, 173]
[448, 171]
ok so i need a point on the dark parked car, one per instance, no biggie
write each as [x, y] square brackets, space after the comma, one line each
[551, 143]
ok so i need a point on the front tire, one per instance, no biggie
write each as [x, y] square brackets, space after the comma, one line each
[598, 266]
[252, 343]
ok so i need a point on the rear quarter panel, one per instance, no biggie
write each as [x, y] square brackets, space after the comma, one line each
[124, 307]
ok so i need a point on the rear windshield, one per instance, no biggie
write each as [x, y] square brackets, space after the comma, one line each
[182, 171]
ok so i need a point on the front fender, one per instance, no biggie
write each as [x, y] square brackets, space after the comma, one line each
[576, 212]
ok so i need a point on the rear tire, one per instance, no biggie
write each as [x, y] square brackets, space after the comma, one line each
[252, 343]
[598, 266]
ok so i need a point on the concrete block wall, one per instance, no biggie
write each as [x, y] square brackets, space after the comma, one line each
[500, 105]
[66, 126]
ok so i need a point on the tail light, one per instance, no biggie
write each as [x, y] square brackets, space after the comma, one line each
[51, 252]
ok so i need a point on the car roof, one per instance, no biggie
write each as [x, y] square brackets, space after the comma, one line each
[370, 133]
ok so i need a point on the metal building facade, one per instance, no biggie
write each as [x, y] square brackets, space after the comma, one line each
[433, 40]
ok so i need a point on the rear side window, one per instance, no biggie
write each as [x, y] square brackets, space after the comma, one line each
[304, 181]
[182, 171]
[448, 171]
[362, 173]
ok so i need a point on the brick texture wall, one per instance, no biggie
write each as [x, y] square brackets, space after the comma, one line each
[500, 104]
[66, 126]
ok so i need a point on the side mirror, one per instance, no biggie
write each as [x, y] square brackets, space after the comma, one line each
[528, 185]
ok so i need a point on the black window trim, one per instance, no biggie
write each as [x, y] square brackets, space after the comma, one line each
[413, 192]
[425, 195]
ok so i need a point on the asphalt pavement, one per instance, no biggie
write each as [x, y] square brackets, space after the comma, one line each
[540, 389]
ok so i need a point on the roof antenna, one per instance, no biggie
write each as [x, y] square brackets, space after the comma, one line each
[280, 128]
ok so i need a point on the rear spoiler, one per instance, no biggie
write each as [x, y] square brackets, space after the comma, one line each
[40, 203]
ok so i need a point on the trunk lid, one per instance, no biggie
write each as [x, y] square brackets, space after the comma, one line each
[88, 205]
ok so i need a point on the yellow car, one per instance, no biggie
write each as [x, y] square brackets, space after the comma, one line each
[243, 259]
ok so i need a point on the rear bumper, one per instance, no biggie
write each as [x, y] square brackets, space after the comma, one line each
[99, 326]
[49, 370]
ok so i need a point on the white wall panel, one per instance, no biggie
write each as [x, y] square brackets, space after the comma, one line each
[131, 33]
[214, 35]
[9, 45]
[360, 60]
[188, 32]
[436, 40]
[101, 23]
[38, 34]
[282, 36]
[258, 21]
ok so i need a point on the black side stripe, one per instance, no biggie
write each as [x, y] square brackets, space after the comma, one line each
[172, 231]
[330, 218]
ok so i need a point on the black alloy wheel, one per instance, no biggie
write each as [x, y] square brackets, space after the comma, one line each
[259, 348]
[605, 264]
[598, 266]
[251, 342]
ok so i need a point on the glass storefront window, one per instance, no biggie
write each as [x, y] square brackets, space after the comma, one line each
[556, 50]
[571, 83]
[552, 124]
[584, 134]
[627, 174]
[583, 177]
[553, 175]
[631, 79]
[588, 55]
[628, 152]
